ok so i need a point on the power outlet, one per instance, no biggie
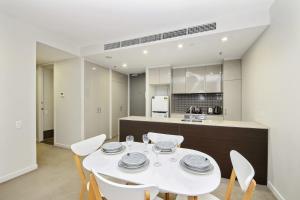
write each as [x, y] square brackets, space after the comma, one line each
[19, 124]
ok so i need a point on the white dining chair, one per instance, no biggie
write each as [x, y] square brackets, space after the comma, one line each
[99, 186]
[243, 171]
[81, 149]
[155, 137]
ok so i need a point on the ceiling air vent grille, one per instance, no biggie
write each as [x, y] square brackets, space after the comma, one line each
[173, 34]
[151, 38]
[162, 36]
[127, 43]
[202, 28]
[114, 45]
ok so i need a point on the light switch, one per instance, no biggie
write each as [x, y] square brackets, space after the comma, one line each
[19, 124]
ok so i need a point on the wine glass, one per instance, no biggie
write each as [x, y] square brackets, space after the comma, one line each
[146, 141]
[129, 141]
[174, 157]
[156, 151]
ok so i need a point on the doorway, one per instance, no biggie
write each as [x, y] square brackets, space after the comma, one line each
[45, 104]
[137, 94]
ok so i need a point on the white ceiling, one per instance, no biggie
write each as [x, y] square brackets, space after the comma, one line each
[89, 22]
[46, 54]
[198, 50]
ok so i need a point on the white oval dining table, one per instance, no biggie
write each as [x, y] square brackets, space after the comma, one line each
[169, 176]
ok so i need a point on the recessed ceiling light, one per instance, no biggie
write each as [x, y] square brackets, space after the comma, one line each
[224, 39]
[180, 46]
[145, 52]
[94, 68]
[124, 65]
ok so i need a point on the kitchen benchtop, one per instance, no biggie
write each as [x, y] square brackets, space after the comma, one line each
[224, 123]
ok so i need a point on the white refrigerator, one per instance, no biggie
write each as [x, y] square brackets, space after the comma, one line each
[160, 106]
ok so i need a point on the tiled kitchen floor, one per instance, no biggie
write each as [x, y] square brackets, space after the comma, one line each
[57, 179]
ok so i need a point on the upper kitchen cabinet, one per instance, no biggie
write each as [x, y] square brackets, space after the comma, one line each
[195, 80]
[160, 75]
[179, 80]
[213, 79]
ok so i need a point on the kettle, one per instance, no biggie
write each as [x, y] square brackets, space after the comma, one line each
[217, 110]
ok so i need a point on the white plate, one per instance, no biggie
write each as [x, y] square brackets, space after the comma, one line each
[111, 146]
[133, 170]
[164, 152]
[183, 166]
[196, 161]
[165, 145]
[114, 153]
[134, 159]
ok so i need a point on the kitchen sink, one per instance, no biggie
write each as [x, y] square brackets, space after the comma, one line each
[194, 118]
[191, 120]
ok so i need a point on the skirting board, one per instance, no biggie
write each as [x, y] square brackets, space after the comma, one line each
[65, 146]
[275, 191]
[18, 173]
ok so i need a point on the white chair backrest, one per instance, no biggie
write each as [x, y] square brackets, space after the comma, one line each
[155, 137]
[88, 146]
[243, 169]
[115, 191]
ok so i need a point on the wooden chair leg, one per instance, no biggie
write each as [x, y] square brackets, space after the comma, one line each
[167, 196]
[192, 198]
[82, 191]
[147, 195]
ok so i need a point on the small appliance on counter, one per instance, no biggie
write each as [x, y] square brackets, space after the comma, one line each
[160, 106]
[210, 110]
[217, 110]
[194, 110]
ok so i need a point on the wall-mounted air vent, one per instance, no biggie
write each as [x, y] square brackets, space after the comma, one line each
[202, 28]
[127, 43]
[173, 34]
[151, 38]
[162, 36]
[112, 45]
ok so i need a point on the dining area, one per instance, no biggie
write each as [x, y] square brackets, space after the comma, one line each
[156, 168]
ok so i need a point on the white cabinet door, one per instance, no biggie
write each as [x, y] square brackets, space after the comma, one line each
[153, 76]
[232, 100]
[195, 80]
[213, 79]
[232, 70]
[179, 79]
[164, 75]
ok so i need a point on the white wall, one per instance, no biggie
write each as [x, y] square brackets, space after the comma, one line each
[270, 71]
[17, 86]
[68, 107]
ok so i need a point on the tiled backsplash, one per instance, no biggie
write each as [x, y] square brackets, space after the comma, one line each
[181, 102]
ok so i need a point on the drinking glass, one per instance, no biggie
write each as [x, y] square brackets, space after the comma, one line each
[156, 151]
[129, 141]
[174, 157]
[146, 141]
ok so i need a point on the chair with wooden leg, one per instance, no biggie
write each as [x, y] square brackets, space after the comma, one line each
[81, 149]
[115, 191]
[156, 137]
[243, 171]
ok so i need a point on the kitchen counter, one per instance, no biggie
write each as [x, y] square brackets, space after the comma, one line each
[214, 137]
[223, 123]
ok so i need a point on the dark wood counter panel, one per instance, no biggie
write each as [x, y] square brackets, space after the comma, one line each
[217, 141]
